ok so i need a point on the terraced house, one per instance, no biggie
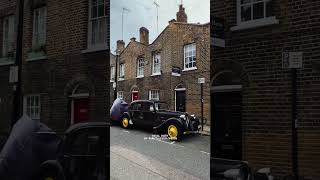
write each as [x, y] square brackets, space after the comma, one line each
[255, 112]
[168, 68]
[65, 57]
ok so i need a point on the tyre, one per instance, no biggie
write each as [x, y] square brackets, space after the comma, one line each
[174, 132]
[125, 122]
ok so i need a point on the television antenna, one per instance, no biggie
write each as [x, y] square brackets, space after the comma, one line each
[123, 11]
[157, 6]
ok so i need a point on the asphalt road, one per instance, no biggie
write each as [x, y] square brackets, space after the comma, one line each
[137, 154]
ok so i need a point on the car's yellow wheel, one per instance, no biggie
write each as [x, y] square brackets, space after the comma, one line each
[125, 122]
[49, 178]
[173, 132]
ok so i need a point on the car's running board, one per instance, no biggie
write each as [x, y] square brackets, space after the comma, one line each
[191, 132]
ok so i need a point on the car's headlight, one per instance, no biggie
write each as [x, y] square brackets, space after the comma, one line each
[183, 116]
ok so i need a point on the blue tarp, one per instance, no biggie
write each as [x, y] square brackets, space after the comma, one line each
[119, 106]
[30, 143]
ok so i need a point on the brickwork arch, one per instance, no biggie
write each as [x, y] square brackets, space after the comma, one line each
[232, 72]
[79, 81]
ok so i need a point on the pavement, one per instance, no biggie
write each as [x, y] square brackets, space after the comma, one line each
[138, 154]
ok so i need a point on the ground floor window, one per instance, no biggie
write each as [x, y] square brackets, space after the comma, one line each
[154, 95]
[32, 105]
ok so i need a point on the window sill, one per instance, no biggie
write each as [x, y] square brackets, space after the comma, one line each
[111, 81]
[6, 61]
[37, 58]
[190, 69]
[157, 74]
[139, 77]
[94, 49]
[121, 79]
[256, 23]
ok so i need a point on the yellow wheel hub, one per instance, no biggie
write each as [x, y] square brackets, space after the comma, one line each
[173, 131]
[49, 178]
[125, 122]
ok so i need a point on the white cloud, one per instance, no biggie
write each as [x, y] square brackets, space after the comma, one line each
[144, 13]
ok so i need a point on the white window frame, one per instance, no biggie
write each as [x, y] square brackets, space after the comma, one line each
[121, 71]
[154, 94]
[27, 108]
[8, 40]
[253, 23]
[155, 65]
[120, 94]
[97, 46]
[189, 48]
[140, 68]
[112, 73]
[39, 38]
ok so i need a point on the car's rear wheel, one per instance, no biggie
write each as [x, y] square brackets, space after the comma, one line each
[174, 132]
[125, 122]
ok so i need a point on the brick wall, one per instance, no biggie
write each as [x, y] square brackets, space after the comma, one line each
[266, 114]
[170, 44]
[66, 65]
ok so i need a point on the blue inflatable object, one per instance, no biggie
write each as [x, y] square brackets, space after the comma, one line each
[119, 106]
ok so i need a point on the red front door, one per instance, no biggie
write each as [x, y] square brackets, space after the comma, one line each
[80, 110]
[135, 96]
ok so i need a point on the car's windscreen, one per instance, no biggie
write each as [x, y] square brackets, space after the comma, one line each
[161, 106]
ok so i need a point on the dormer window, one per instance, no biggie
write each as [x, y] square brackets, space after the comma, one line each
[254, 13]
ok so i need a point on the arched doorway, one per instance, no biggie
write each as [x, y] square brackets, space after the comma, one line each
[79, 104]
[226, 110]
[134, 93]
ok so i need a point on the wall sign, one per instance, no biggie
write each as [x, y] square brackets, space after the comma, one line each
[176, 71]
[292, 60]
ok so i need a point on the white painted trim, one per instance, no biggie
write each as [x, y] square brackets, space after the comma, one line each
[37, 58]
[80, 95]
[226, 88]
[256, 23]
[94, 49]
[190, 69]
[157, 74]
[180, 89]
[139, 77]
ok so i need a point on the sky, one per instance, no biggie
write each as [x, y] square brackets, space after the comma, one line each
[143, 13]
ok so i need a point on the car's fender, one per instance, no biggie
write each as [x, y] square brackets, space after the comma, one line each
[162, 127]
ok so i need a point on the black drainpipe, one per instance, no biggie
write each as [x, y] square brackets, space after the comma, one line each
[294, 141]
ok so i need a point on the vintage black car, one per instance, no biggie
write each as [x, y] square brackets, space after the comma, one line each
[155, 114]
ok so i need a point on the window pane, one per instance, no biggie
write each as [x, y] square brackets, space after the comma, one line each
[94, 31]
[246, 13]
[245, 1]
[94, 12]
[101, 10]
[93, 2]
[258, 10]
[269, 9]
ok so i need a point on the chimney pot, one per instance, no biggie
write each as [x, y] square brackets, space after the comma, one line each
[120, 45]
[144, 35]
[181, 15]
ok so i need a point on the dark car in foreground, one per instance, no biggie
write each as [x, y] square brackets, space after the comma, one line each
[156, 115]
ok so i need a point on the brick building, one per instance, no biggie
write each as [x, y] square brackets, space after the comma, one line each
[65, 58]
[168, 68]
[249, 82]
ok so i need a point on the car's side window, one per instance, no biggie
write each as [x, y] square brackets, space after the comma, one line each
[137, 107]
[148, 106]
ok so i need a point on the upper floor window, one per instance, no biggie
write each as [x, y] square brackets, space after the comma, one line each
[98, 29]
[140, 68]
[254, 13]
[8, 38]
[39, 28]
[156, 64]
[190, 57]
[154, 95]
[112, 73]
[32, 106]
[121, 73]
[120, 94]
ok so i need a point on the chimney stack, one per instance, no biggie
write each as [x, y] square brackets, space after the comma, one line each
[120, 45]
[144, 35]
[181, 15]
